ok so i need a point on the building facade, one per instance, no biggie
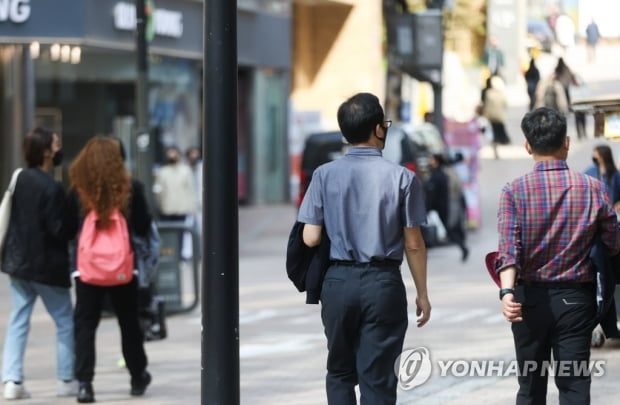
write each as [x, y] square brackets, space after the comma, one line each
[338, 50]
[70, 65]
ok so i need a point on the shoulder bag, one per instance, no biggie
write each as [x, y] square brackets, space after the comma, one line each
[5, 208]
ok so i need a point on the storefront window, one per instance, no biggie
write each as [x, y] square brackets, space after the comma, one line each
[97, 96]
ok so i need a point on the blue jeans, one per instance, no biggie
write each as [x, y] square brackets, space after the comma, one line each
[57, 301]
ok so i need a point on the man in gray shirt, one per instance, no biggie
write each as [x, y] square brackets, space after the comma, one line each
[372, 210]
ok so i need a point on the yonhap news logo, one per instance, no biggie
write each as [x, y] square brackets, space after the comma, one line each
[414, 367]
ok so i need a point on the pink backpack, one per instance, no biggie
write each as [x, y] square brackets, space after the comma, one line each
[104, 256]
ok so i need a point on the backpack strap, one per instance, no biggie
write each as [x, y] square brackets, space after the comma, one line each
[14, 180]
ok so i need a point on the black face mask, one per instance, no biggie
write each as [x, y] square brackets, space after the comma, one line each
[385, 132]
[595, 161]
[57, 159]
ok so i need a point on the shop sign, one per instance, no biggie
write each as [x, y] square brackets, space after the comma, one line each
[167, 23]
[17, 11]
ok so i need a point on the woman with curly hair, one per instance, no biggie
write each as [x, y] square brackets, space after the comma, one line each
[103, 185]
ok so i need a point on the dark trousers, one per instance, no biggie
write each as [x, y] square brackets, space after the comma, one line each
[364, 312]
[580, 124]
[558, 320]
[87, 314]
[457, 235]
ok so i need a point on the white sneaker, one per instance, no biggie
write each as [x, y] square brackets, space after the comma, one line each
[15, 391]
[66, 389]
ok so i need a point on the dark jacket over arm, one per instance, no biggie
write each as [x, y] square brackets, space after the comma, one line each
[306, 266]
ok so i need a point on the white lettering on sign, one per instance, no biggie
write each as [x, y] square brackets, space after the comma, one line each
[17, 11]
[167, 23]
[125, 16]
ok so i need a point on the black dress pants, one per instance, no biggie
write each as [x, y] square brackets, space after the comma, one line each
[558, 321]
[364, 312]
[87, 314]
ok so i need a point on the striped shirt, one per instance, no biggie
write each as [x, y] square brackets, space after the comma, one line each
[547, 221]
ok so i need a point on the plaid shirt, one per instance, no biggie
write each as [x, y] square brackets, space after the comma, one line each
[547, 221]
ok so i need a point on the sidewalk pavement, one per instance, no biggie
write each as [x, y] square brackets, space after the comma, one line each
[174, 362]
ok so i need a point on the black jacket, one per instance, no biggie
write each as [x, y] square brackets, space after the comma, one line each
[606, 268]
[306, 266]
[39, 230]
[437, 193]
[139, 220]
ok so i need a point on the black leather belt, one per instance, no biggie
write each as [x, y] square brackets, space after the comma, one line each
[551, 284]
[372, 263]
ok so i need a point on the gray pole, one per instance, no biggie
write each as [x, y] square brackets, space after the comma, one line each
[220, 285]
[144, 158]
[438, 107]
[28, 90]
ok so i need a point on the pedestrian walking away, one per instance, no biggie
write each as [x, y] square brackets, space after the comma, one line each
[532, 77]
[444, 195]
[371, 210]
[35, 256]
[493, 57]
[494, 109]
[175, 193]
[604, 169]
[103, 185]
[547, 279]
[592, 37]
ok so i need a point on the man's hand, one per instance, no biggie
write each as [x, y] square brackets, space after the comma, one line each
[423, 310]
[511, 309]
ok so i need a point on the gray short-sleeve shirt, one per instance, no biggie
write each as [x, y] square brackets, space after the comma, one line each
[364, 202]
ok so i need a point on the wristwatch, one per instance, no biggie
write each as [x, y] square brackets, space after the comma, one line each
[505, 291]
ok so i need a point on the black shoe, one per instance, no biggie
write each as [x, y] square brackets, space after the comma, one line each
[85, 393]
[138, 386]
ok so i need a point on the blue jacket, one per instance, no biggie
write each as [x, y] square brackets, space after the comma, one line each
[613, 186]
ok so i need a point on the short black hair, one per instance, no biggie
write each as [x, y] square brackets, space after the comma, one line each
[440, 159]
[35, 144]
[545, 130]
[358, 116]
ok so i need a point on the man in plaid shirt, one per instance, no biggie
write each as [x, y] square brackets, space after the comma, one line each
[547, 223]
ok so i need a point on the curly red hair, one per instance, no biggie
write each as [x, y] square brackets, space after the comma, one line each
[99, 175]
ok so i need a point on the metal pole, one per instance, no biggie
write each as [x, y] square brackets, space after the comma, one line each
[220, 285]
[144, 158]
[437, 107]
[16, 107]
[28, 90]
